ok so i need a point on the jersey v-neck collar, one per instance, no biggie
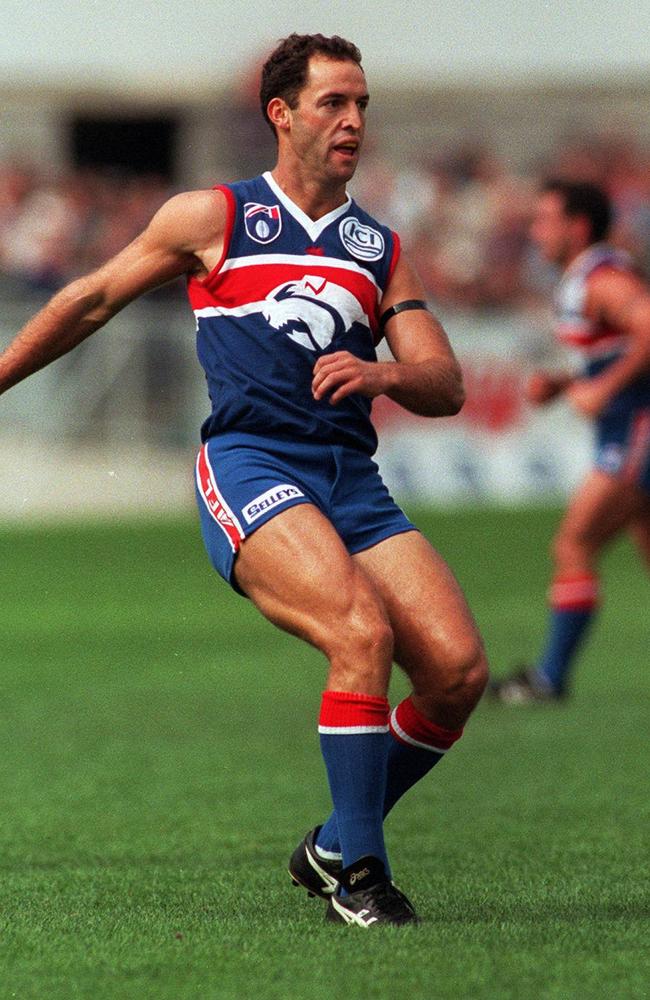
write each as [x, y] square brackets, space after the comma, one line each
[587, 258]
[313, 228]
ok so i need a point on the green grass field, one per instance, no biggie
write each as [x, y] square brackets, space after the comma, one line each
[159, 761]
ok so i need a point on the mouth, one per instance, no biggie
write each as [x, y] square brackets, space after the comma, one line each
[348, 149]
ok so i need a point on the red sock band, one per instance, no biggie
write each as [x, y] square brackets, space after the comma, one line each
[409, 726]
[345, 712]
[577, 592]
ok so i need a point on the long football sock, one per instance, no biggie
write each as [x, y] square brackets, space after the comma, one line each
[416, 746]
[353, 730]
[413, 746]
[573, 604]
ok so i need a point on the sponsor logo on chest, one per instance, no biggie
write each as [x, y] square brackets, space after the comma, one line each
[363, 242]
[266, 501]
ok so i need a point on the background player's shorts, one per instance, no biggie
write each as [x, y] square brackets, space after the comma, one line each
[623, 445]
[243, 480]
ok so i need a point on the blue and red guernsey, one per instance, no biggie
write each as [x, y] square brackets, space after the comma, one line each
[287, 290]
[596, 342]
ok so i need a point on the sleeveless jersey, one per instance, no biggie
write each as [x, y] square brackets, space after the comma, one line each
[595, 341]
[598, 343]
[287, 290]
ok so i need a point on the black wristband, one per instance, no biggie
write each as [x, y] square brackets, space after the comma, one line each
[400, 307]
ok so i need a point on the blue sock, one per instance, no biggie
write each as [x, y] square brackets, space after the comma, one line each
[413, 746]
[406, 766]
[353, 731]
[574, 602]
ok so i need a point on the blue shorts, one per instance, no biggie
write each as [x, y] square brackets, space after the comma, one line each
[243, 480]
[623, 445]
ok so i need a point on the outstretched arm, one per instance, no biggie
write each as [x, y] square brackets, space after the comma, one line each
[425, 376]
[182, 234]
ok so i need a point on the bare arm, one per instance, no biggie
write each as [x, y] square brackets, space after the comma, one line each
[181, 238]
[425, 376]
[622, 301]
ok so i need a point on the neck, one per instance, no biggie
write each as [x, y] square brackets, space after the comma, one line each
[313, 196]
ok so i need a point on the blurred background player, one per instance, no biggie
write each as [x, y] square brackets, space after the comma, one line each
[292, 283]
[603, 311]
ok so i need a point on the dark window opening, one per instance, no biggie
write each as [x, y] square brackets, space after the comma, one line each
[132, 145]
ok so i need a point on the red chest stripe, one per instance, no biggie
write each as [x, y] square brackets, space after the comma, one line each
[587, 338]
[252, 283]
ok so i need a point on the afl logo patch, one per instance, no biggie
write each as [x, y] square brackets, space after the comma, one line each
[263, 222]
[362, 242]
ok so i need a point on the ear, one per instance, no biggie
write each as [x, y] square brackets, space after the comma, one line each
[279, 113]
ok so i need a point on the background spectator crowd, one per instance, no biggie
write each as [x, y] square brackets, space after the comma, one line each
[463, 214]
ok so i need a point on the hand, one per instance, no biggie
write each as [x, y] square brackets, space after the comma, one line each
[587, 397]
[340, 374]
[542, 387]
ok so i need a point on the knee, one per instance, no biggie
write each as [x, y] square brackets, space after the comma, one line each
[448, 694]
[359, 647]
[464, 677]
[450, 698]
[362, 638]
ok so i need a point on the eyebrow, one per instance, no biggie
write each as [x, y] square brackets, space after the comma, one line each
[337, 93]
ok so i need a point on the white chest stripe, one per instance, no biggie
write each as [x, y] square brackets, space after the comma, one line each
[246, 310]
[263, 260]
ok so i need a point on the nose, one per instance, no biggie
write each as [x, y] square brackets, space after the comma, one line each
[353, 117]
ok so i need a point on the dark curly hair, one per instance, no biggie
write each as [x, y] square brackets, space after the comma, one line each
[285, 71]
[584, 199]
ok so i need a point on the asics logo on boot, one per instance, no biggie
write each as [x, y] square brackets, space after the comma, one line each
[355, 876]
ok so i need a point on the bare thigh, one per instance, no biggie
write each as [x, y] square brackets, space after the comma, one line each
[437, 642]
[600, 510]
[299, 574]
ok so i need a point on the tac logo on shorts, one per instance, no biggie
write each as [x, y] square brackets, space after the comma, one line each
[263, 222]
[362, 242]
[266, 501]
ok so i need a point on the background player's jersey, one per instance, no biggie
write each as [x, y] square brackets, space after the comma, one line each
[598, 343]
[287, 290]
[595, 341]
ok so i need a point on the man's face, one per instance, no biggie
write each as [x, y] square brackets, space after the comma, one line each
[552, 229]
[328, 123]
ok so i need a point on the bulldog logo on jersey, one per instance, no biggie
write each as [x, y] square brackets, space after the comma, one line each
[312, 311]
[263, 222]
[363, 242]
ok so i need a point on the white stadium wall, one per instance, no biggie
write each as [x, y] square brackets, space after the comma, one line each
[498, 449]
[93, 435]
